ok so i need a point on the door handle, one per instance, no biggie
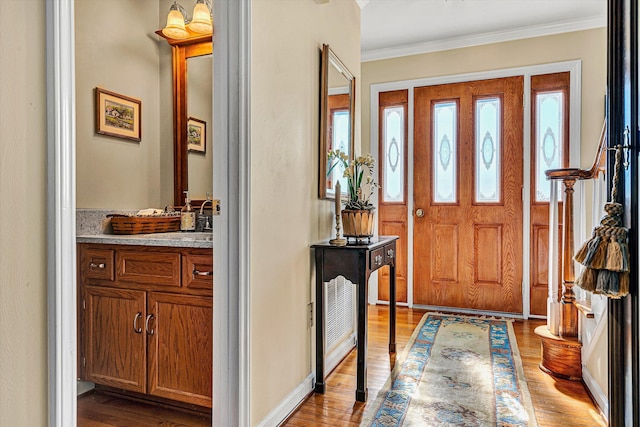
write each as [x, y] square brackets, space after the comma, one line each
[419, 213]
[137, 329]
[146, 324]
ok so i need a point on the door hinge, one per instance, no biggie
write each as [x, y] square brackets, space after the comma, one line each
[84, 362]
[310, 305]
[84, 304]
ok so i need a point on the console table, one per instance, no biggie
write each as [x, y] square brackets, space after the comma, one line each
[355, 262]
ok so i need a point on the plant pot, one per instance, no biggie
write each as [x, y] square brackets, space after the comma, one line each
[357, 223]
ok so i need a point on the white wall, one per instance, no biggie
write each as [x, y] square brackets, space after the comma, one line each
[286, 215]
[23, 221]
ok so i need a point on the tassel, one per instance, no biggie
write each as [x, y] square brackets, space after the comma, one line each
[593, 245]
[599, 260]
[614, 256]
[582, 252]
[608, 283]
[624, 284]
[624, 248]
[588, 279]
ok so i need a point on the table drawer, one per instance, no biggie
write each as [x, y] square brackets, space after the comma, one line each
[389, 253]
[376, 259]
[197, 271]
[97, 264]
[154, 268]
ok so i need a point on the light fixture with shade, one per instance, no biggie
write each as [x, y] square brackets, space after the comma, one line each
[175, 23]
[179, 27]
[202, 21]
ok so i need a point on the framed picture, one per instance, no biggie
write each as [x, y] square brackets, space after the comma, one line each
[118, 115]
[196, 135]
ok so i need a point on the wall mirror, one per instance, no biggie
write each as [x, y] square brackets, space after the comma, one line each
[337, 118]
[192, 117]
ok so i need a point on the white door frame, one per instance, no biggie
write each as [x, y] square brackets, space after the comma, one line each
[575, 69]
[231, 185]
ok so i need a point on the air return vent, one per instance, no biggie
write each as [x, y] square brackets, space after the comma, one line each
[340, 324]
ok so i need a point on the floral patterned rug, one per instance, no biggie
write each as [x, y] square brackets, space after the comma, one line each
[456, 371]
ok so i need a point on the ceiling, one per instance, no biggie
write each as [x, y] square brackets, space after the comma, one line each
[392, 28]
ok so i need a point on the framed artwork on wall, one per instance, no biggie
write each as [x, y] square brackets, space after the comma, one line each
[118, 115]
[196, 135]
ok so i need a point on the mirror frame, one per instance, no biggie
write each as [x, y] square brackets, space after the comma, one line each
[181, 50]
[327, 57]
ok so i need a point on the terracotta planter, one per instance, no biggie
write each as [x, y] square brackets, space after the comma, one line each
[357, 223]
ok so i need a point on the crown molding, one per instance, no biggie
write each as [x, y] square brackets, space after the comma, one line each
[362, 3]
[485, 38]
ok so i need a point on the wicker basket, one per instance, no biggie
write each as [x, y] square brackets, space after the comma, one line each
[144, 224]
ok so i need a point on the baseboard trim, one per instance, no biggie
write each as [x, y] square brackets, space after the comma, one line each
[596, 393]
[281, 412]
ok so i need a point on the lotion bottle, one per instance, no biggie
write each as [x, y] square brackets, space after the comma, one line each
[187, 215]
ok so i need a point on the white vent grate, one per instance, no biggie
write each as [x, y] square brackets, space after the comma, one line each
[339, 314]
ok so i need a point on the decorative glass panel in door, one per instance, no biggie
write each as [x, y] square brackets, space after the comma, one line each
[487, 150]
[445, 146]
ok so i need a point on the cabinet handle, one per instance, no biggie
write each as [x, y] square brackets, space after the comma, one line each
[378, 260]
[390, 253]
[146, 324]
[137, 329]
[202, 273]
[94, 265]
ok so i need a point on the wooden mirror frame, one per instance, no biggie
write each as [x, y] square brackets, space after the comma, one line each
[327, 57]
[181, 50]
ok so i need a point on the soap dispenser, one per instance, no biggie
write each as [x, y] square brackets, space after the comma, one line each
[187, 215]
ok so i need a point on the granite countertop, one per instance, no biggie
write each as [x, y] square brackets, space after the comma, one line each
[92, 226]
[174, 239]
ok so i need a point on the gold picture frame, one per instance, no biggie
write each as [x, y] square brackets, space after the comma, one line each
[196, 135]
[118, 115]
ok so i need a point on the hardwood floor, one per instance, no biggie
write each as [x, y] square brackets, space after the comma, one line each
[556, 402]
[105, 410]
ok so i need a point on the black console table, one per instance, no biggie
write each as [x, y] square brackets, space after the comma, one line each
[355, 262]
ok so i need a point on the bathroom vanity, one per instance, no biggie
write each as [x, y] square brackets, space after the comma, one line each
[145, 315]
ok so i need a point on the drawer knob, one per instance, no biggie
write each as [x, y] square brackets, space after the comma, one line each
[202, 273]
[378, 260]
[390, 253]
[94, 265]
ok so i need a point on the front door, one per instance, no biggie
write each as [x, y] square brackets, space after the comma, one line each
[468, 181]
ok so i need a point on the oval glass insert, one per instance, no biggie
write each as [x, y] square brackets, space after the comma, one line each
[445, 152]
[393, 154]
[549, 147]
[487, 150]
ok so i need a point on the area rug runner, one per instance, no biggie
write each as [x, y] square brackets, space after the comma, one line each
[456, 371]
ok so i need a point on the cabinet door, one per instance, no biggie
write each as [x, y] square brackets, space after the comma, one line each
[115, 343]
[180, 347]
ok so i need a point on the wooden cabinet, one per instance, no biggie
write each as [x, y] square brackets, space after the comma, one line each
[148, 327]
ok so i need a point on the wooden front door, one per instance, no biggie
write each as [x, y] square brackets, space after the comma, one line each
[468, 184]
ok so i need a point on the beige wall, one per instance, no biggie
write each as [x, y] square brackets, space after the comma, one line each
[117, 50]
[286, 215]
[23, 221]
[588, 46]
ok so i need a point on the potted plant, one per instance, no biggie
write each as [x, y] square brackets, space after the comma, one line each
[357, 215]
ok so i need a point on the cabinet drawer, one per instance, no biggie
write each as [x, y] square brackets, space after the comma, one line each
[197, 271]
[377, 258]
[97, 264]
[389, 253]
[154, 268]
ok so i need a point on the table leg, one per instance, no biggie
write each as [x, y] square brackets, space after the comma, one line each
[320, 383]
[361, 371]
[392, 307]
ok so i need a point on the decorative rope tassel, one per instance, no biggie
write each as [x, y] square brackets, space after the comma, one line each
[588, 279]
[599, 260]
[584, 249]
[608, 283]
[614, 256]
[606, 254]
[592, 248]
